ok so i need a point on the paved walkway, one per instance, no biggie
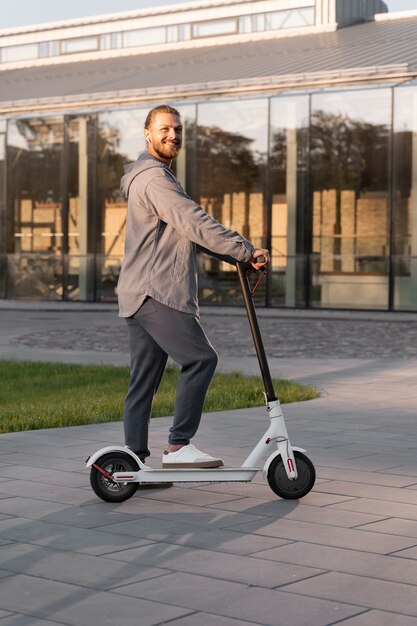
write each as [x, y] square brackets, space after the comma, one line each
[223, 554]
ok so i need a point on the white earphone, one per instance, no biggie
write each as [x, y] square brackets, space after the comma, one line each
[148, 139]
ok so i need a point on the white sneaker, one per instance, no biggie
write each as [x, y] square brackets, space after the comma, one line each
[189, 456]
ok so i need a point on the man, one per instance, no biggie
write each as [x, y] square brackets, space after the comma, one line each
[158, 291]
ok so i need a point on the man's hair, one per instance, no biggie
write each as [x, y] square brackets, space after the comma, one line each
[162, 108]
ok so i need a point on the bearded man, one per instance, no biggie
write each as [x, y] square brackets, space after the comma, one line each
[158, 293]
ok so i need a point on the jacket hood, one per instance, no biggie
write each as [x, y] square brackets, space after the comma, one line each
[144, 162]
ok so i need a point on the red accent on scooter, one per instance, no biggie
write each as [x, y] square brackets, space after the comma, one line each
[290, 465]
[254, 288]
[268, 441]
[102, 471]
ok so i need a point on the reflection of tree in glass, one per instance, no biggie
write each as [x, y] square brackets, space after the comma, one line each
[227, 165]
[109, 162]
[226, 161]
[347, 154]
[35, 169]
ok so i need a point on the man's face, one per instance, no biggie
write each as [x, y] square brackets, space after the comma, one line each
[164, 137]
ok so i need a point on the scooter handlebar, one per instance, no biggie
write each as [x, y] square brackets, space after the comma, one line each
[247, 265]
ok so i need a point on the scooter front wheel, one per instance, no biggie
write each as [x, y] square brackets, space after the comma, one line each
[101, 477]
[291, 489]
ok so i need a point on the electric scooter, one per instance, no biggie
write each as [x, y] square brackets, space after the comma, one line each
[116, 471]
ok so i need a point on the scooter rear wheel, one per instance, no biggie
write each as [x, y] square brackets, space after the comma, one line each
[291, 489]
[106, 488]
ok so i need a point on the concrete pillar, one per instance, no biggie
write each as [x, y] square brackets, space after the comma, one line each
[291, 197]
[413, 215]
[83, 208]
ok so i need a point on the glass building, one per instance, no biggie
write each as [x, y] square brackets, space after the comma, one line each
[300, 132]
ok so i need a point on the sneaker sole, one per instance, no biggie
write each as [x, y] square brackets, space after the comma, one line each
[201, 465]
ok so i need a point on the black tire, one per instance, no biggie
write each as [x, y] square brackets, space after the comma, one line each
[291, 489]
[107, 489]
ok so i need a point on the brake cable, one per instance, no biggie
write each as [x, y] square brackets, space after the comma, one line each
[262, 274]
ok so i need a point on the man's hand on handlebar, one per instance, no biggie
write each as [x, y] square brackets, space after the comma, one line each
[262, 255]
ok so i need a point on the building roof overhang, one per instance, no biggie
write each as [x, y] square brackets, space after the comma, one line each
[377, 52]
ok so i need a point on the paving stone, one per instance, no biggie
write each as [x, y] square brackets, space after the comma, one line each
[378, 618]
[16, 619]
[370, 478]
[49, 493]
[266, 606]
[194, 497]
[205, 619]
[70, 567]
[389, 568]
[43, 475]
[91, 516]
[410, 553]
[369, 491]
[294, 510]
[216, 565]
[379, 507]
[77, 606]
[328, 535]
[402, 527]
[65, 538]
[360, 591]
[219, 540]
[192, 516]
[29, 507]
[277, 508]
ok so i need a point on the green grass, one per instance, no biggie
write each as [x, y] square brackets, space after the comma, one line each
[47, 395]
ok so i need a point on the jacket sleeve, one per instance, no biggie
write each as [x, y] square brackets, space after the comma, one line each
[173, 206]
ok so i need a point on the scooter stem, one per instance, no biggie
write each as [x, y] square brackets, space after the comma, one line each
[242, 270]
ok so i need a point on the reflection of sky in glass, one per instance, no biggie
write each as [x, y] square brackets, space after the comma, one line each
[405, 109]
[130, 126]
[289, 112]
[243, 117]
[14, 137]
[372, 106]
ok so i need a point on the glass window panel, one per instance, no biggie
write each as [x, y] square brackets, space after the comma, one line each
[172, 33]
[116, 40]
[405, 198]
[218, 27]
[53, 48]
[185, 32]
[245, 24]
[19, 53]
[105, 42]
[3, 217]
[296, 19]
[34, 147]
[232, 140]
[144, 37]
[44, 49]
[289, 19]
[258, 22]
[289, 202]
[349, 161]
[275, 19]
[69, 46]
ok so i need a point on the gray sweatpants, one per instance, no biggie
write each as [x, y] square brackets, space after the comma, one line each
[156, 332]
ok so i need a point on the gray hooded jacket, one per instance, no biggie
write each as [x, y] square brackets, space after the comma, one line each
[163, 230]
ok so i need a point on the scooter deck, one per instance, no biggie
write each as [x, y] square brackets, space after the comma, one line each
[186, 475]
